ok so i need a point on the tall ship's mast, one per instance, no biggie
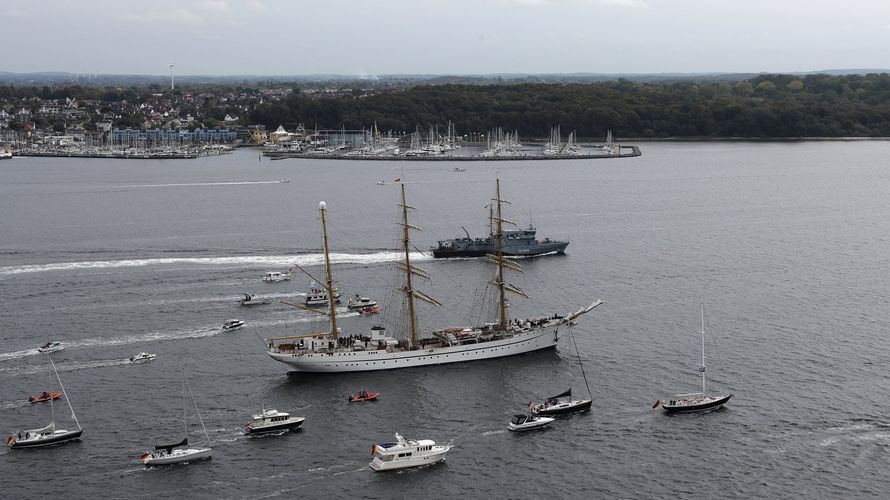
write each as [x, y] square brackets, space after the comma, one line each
[325, 352]
[410, 270]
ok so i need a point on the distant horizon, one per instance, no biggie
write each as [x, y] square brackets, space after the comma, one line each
[443, 37]
[356, 76]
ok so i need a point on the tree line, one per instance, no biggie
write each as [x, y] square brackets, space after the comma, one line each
[767, 106]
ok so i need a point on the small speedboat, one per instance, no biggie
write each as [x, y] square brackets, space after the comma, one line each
[528, 422]
[142, 357]
[359, 302]
[232, 324]
[406, 453]
[275, 277]
[253, 300]
[369, 310]
[271, 421]
[44, 396]
[51, 347]
[363, 396]
[175, 454]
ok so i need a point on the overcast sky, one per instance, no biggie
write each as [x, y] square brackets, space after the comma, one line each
[367, 37]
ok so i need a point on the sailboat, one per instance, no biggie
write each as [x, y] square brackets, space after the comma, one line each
[324, 352]
[563, 404]
[180, 452]
[48, 435]
[695, 401]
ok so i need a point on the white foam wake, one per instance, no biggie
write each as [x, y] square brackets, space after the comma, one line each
[271, 261]
[221, 183]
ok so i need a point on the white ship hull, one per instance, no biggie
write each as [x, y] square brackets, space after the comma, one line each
[357, 361]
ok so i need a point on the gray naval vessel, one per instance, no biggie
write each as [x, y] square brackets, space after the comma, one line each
[517, 242]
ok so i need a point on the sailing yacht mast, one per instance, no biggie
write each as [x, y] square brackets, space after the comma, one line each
[703, 393]
[67, 399]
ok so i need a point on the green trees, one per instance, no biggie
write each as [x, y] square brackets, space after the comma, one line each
[762, 107]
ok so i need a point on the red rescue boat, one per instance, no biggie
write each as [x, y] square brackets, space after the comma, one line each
[364, 396]
[44, 397]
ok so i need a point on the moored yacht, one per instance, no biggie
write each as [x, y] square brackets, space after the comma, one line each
[271, 421]
[405, 453]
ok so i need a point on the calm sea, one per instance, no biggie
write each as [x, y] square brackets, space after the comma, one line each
[785, 243]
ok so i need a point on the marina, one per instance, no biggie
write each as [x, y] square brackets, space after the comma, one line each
[652, 236]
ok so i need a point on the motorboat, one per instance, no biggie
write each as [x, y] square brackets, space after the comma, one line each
[48, 435]
[232, 324]
[167, 454]
[528, 422]
[359, 302]
[319, 297]
[272, 421]
[405, 453]
[44, 396]
[175, 454]
[366, 311]
[561, 404]
[253, 300]
[275, 277]
[142, 357]
[51, 347]
[363, 396]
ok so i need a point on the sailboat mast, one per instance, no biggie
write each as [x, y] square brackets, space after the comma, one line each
[703, 393]
[192, 394]
[502, 302]
[409, 287]
[67, 399]
[327, 267]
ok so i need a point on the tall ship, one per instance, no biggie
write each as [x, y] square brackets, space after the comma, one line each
[511, 243]
[377, 350]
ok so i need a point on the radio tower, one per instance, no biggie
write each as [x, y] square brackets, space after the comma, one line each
[171, 73]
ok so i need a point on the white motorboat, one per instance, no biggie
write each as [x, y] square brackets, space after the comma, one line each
[232, 324]
[167, 454]
[699, 401]
[272, 421]
[275, 277]
[528, 422]
[253, 300]
[405, 453]
[51, 347]
[142, 357]
[49, 435]
[319, 296]
[359, 302]
[5, 155]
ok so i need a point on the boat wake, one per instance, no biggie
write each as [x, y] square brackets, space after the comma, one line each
[66, 367]
[256, 261]
[190, 184]
[18, 354]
